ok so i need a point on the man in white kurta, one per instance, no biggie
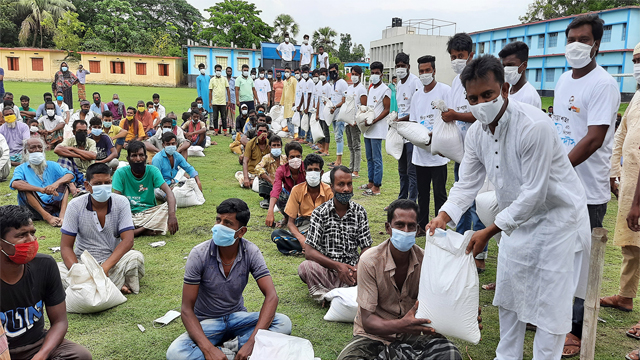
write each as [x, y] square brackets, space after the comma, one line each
[542, 211]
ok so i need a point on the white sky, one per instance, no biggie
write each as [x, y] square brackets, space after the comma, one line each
[365, 19]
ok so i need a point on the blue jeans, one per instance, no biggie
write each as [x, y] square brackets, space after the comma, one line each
[407, 171]
[373, 150]
[290, 127]
[240, 324]
[338, 130]
[470, 219]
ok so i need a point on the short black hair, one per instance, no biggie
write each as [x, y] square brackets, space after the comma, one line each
[134, 146]
[76, 123]
[107, 113]
[460, 42]
[332, 174]
[262, 124]
[194, 104]
[296, 69]
[260, 69]
[24, 97]
[261, 106]
[95, 93]
[217, 66]
[323, 70]
[95, 121]
[313, 159]
[292, 146]
[597, 25]
[480, 69]
[131, 108]
[13, 217]
[275, 139]
[287, 67]
[166, 120]
[236, 206]
[427, 59]
[49, 103]
[185, 116]
[402, 58]
[245, 66]
[166, 137]
[156, 96]
[199, 98]
[305, 36]
[334, 66]
[519, 48]
[357, 69]
[305, 68]
[47, 94]
[201, 65]
[97, 168]
[376, 65]
[403, 204]
[149, 103]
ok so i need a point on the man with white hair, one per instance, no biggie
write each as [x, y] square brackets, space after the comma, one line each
[42, 185]
[15, 133]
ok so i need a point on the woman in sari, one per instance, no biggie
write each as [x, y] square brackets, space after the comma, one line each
[64, 82]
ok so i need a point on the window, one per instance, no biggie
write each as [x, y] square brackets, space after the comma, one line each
[200, 59]
[163, 69]
[141, 68]
[541, 41]
[222, 61]
[117, 67]
[549, 75]
[242, 61]
[624, 32]
[529, 41]
[94, 66]
[481, 48]
[606, 36]
[538, 75]
[37, 64]
[13, 64]
[553, 40]
[503, 43]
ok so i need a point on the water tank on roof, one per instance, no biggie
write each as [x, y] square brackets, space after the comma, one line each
[396, 22]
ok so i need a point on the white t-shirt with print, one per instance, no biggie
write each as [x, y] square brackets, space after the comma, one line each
[375, 101]
[305, 54]
[50, 124]
[262, 88]
[339, 91]
[404, 93]
[324, 90]
[322, 58]
[592, 100]
[357, 91]
[458, 102]
[423, 113]
[528, 95]
[286, 50]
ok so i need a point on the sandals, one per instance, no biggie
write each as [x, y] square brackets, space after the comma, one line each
[634, 355]
[363, 187]
[634, 332]
[612, 302]
[489, 287]
[369, 192]
[572, 342]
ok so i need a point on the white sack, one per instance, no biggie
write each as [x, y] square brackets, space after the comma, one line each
[326, 112]
[271, 345]
[448, 293]
[283, 133]
[304, 122]
[316, 131]
[344, 304]
[188, 194]
[365, 116]
[90, 290]
[394, 143]
[348, 110]
[276, 112]
[196, 151]
[296, 118]
[122, 164]
[275, 126]
[447, 140]
[326, 178]
[487, 209]
[255, 186]
[207, 142]
[415, 133]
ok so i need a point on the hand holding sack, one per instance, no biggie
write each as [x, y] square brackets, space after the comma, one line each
[446, 139]
[416, 133]
[395, 142]
[348, 110]
[326, 112]
[364, 118]
[304, 122]
[296, 119]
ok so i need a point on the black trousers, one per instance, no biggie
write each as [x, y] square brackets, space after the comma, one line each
[222, 111]
[426, 176]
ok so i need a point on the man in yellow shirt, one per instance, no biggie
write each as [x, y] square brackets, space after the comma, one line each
[289, 98]
[115, 132]
[219, 93]
[134, 128]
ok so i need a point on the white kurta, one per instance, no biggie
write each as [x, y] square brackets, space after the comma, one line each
[543, 213]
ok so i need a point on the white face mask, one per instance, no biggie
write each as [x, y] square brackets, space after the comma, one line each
[245, 73]
[244, 112]
[578, 54]
[305, 75]
[486, 112]
[286, 39]
[33, 129]
[426, 78]
[355, 79]
[313, 178]
[202, 71]
[306, 42]
[401, 73]
[261, 76]
[375, 78]
[218, 73]
[511, 75]
[269, 76]
[636, 72]
[297, 76]
[51, 112]
[253, 76]
[458, 65]
[315, 79]
[323, 78]
[286, 75]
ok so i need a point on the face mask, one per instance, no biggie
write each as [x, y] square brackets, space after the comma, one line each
[253, 76]
[486, 112]
[511, 75]
[401, 73]
[269, 76]
[305, 42]
[315, 79]
[33, 129]
[313, 178]
[295, 163]
[107, 124]
[305, 75]
[171, 149]
[333, 75]
[10, 118]
[355, 79]
[199, 106]
[151, 110]
[166, 318]
[166, 130]
[129, 117]
[286, 75]
[578, 54]
[50, 113]
[245, 73]
[218, 73]
[458, 65]
[402, 241]
[84, 111]
[260, 112]
[101, 193]
[276, 152]
[60, 98]
[24, 253]
[64, 68]
[323, 78]
[97, 102]
[96, 132]
[81, 137]
[244, 112]
[261, 76]
[636, 72]
[286, 39]
[140, 109]
[174, 122]
[297, 76]
[375, 78]
[137, 168]
[202, 71]
[223, 236]
[116, 101]
[343, 198]
[36, 158]
[426, 78]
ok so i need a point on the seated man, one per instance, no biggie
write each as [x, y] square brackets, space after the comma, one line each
[195, 129]
[134, 128]
[105, 151]
[254, 151]
[168, 161]
[5, 162]
[7, 102]
[62, 108]
[76, 154]
[98, 106]
[48, 97]
[111, 242]
[83, 114]
[169, 125]
[242, 118]
[30, 284]
[51, 126]
[115, 132]
[138, 182]
[117, 108]
[41, 184]
[26, 111]
[34, 129]
[212, 316]
[145, 118]
[338, 228]
[154, 114]
[387, 303]
[304, 199]
[15, 132]
[266, 169]
[287, 176]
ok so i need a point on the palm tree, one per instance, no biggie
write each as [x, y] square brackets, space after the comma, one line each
[324, 36]
[41, 17]
[284, 23]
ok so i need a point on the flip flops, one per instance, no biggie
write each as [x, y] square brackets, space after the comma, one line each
[369, 192]
[612, 302]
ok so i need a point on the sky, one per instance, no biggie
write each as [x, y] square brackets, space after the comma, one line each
[365, 19]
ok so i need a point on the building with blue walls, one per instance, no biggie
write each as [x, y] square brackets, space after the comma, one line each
[225, 56]
[547, 40]
[271, 60]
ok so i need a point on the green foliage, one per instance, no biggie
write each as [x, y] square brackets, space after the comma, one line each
[175, 16]
[358, 52]
[8, 26]
[344, 51]
[67, 32]
[324, 36]
[284, 23]
[40, 18]
[236, 21]
[166, 44]
[549, 9]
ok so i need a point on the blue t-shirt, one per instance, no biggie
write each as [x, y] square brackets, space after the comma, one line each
[161, 161]
[2, 81]
[52, 173]
[103, 146]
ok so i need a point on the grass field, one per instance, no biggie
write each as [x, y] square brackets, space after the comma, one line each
[113, 334]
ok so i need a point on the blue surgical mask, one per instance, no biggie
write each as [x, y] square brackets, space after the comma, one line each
[223, 236]
[276, 152]
[96, 132]
[60, 98]
[170, 150]
[36, 158]
[64, 68]
[174, 122]
[166, 130]
[116, 101]
[107, 124]
[403, 241]
[101, 193]
[199, 106]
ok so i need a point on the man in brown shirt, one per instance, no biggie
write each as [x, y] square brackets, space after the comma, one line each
[254, 151]
[388, 282]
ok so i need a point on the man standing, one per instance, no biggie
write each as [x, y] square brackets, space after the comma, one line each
[245, 89]
[231, 100]
[359, 92]
[325, 90]
[277, 89]
[15, 133]
[543, 214]
[515, 58]
[587, 99]
[287, 52]
[289, 98]
[77, 153]
[202, 87]
[323, 58]
[306, 52]
[263, 88]
[338, 97]
[219, 92]
[81, 74]
[1, 82]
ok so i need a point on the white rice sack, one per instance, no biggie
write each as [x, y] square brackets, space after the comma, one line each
[207, 142]
[316, 131]
[270, 345]
[395, 143]
[446, 140]
[122, 164]
[487, 209]
[275, 126]
[326, 178]
[282, 133]
[365, 116]
[196, 151]
[304, 122]
[344, 304]
[188, 194]
[416, 133]
[448, 293]
[348, 110]
[296, 118]
[276, 112]
[326, 112]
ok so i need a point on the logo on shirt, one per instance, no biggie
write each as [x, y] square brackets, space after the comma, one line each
[572, 107]
[142, 188]
[16, 322]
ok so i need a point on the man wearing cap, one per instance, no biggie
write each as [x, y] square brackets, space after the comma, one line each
[83, 114]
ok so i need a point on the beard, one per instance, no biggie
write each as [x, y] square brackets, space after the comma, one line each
[12, 125]
[39, 169]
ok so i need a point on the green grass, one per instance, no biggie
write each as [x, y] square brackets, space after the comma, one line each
[113, 334]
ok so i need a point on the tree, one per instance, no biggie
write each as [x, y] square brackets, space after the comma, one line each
[358, 53]
[67, 32]
[549, 9]
[166, 43]
[38, 13]
[324, 36]
[177, 15]
[284, 23]
[235, 21]
[344, 51]
[117, 25]
[8, 26]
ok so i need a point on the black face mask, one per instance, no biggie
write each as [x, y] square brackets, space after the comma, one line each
[333, 75]
[84, 111]
[81, 137]
[97, 102]
[138, 168]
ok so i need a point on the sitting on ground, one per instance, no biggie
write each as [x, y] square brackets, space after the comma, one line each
[51, 126]
[266, 169]
[169, 161]
[105, 151]
[287, 176]
[195, 129]
[15, 133]
[76, 154]
[169, 124]
[135, 129]
[254, 151]
[115, 132]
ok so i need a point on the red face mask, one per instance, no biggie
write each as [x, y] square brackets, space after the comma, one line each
[25, 252]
